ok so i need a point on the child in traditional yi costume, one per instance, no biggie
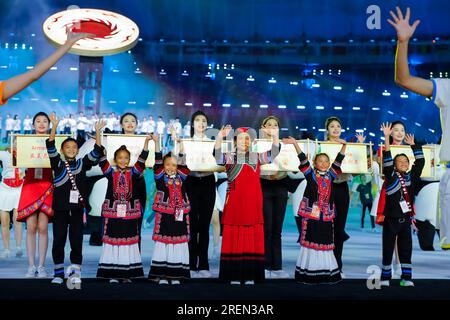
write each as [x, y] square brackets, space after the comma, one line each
[121, 257]
[242, 256]
[170, 259]
[398, 214]
[69, 202]
[316, 263]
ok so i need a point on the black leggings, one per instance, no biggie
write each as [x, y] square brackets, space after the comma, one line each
[363, 215]
[341, 195]
[202, 197]
[275, 197]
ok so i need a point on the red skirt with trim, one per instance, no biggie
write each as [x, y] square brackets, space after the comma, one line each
[242, 255]
[37, 195]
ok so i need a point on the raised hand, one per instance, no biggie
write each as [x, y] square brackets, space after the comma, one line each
[387, 129]
[401, 24]
[54, 120]
[360, 137]
[73, 37]
[409, 139]
[155, 138]
[289, 140]
[225, 131]
[99, 125]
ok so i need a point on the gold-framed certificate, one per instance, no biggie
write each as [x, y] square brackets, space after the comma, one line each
[287, 159]
[429, 152]
[356, 157]
[31, 151]
[134, 143]
[199, 154]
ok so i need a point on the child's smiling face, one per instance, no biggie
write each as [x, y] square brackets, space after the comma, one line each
[122, 159]
[170, 166]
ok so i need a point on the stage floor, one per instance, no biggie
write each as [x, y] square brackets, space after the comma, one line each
[362, 250]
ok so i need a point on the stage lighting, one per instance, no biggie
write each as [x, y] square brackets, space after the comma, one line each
[356, 108]
[112, 102]
[417, 124]
[431, 130]
[320, 107]
[188, 104]
[129, 102]
[250, 78]
[226, 105]
[293, 83]
[337, 108]
[272, 80]
[74, 100]
[207, 104]
[282, 106]
[162, 72]
[404, 118]
[115, 71]
[54, 68]
[337, 88]
[161, 40]
[170, 103]
[229, 77]
[28, 67]
[316, 85]
[390, 112]
[185, 74]
[386, 93]
[73, 69]
[376, 109]
[264, 106]
[301, 107]
[404, 95]
[351, 40]
[245, 106]
[151, 103]
[371, 134]
[359, 90]
[54, 100]
[34, 99]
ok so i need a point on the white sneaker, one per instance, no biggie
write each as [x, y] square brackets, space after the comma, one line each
[194, 274]
[57, 280]
[204, 274]
[113, 281]
[385, 283]
[249, 283]
[235, 283]
[279, 274]
[176, 282]
[41, 272]
[406, 283]
[5, 254]
[343, 276]
[163, 281]
[19, 253]
[31, 273]
[267, 274]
